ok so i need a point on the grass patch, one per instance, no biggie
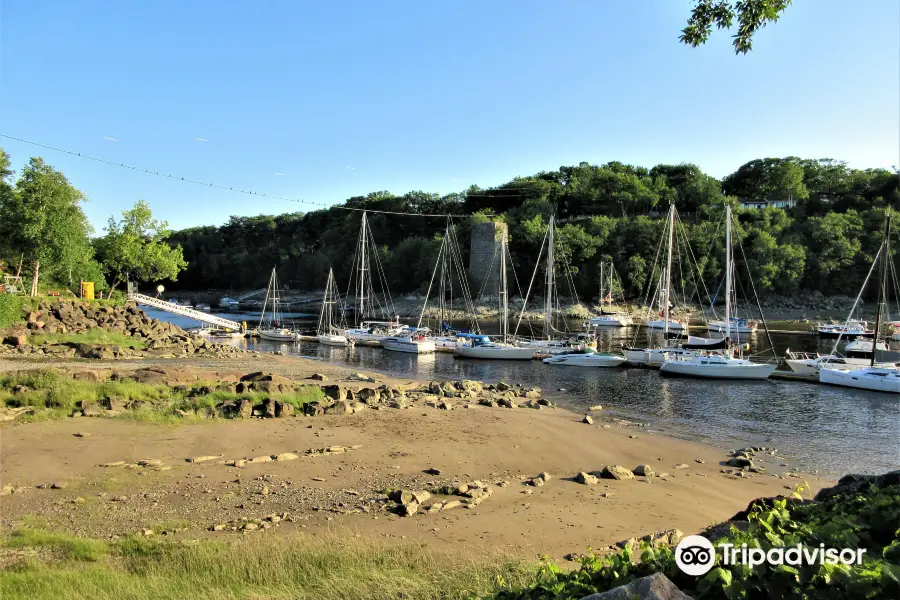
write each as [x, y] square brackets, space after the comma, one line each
[47, 389]
[65, 546]
[94, 336]
[296, 567]
[11, 309]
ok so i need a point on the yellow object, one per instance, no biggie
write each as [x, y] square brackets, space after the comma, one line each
[87, 290]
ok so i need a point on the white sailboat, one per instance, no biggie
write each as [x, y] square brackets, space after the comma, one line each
[327, 332]
[723, 366]
[654, 357]
[878, 378]
[481, 346]
[554, 341]
[370, 330]
[273, 329]
[611, 319]
[415, 343]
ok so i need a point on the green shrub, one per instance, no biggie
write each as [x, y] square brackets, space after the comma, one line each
[863, 520]
[11, 309]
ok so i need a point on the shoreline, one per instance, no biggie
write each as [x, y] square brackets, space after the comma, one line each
[505, 448]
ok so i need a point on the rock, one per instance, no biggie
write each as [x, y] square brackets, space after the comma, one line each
[81, 434]
[250, 526]
[536, 482]
[313, 409]
[245, 408]
[851, 484]
[445, 405]
[317, 377]
[408, 510]
[433, 471]
[545, 476]
[335, 392]
[486, 402]
[88, 376]
[150, 462]
[58, 485]
[506, 403]
[652, 587]
[616, 472]
[503, 386]
[451, 504]
[596, 407]
[260, 459]
[644, 471]
[367, 395]
[681, 466]
[285, 456]
[586, 478]
[201, 459]
[283, 409]
[361, 377]
[341, 407]
[739, 462]
[587, 419]
[269, 408]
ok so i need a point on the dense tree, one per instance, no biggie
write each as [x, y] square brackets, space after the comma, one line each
[41, 220]
[135, 247]
[751, 15]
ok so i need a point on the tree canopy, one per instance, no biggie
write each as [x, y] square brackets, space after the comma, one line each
[751, 16]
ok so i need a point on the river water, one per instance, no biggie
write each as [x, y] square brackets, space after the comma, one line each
[817, 428]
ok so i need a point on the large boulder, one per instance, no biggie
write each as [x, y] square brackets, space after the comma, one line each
[335, 392]
[616, 472]
[652, 587]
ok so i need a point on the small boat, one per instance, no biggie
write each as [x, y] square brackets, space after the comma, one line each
[327, 333]
[653, 357]
[225, 334]
[203, 307]
[415, 343]
[716, 367]
[852, 328]
[229, 303]
[373, 331]
[876, 379]
[272, 328]
[673, 325]
[862, 348]
[580, 342]
[809, 363]
[737, 325]
[591, 359]
[611, 320]
[483, 347]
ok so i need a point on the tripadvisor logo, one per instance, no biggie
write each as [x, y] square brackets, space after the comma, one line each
[695, 555]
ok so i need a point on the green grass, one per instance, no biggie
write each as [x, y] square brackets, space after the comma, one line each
[11, 309]
[93, 336]
[263, 565]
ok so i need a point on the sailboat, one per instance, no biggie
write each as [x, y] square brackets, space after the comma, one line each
[273, 328]
[609, 319]
[327, 333]
[554, 340]
[879, 378]
[449, 259]
[725, 365]
[369, 330]
[654, 357]
[481, 346]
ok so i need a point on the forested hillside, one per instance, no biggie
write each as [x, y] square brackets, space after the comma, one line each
[824, 242]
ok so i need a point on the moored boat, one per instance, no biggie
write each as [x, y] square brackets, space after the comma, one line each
[482, 347]
[414, 343]
[851, 328]
[611, 320]
[590, 359]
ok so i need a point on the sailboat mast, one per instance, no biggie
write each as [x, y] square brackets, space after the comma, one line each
[601, 285]
[548, 296]
[504, 326]
[727, 271]
[882, 282]
[669, 268]
[262, 316]
[361, 282]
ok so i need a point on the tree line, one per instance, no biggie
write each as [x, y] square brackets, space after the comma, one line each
[824, 238]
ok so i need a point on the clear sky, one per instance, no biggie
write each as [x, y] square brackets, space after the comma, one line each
[324, 100]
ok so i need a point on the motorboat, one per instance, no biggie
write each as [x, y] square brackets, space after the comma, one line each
[851, 328]
[653, 357]
[590, 359]
[736, 326]
[483, 347]
[715, 366]
[576, 343]
[229, 303]
[415, 343]
[862, 348]
[876, 379]
[203, 307]
[333, 339]
[810, 363]
[373, 331]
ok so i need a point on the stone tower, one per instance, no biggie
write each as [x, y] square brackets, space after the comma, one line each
[484, 258]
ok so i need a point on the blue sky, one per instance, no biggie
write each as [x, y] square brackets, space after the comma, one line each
[326, 100]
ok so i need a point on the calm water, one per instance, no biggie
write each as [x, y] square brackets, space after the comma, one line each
[823, 428]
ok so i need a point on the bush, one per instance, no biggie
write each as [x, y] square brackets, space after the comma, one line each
[11, 309]
[852, 520]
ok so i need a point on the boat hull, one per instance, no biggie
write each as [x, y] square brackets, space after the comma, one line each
[863, 379]
[586, 360]
[276, 336]
[408, 346]
[495, 352]
[661, 324]
[727, 370]
[333, 340]
[720, 327]
[610, 321]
